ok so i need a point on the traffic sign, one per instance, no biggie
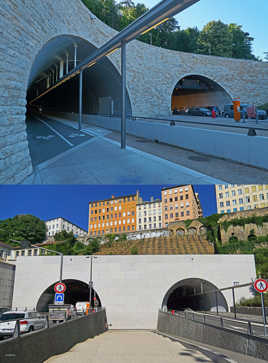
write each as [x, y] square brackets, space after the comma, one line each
[60, 287]
[261, 285]
[59, 299]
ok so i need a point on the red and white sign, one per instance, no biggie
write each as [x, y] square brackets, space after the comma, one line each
[60, 287]
[261, 285]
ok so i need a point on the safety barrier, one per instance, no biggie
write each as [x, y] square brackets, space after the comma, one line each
[38, 346]
[185, 325]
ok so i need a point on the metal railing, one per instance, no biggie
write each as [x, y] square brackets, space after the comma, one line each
[238, 325]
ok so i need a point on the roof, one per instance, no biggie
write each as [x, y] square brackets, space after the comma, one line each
[5, 245]
[66, 220]
[113, 198]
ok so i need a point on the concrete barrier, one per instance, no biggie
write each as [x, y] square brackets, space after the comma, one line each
[241, 148]
[38, 346]
[212, 335]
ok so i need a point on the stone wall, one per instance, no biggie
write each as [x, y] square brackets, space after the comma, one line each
[152, 72]
[7, 277]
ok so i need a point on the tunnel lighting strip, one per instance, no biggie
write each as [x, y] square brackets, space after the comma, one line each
[152, 18]
[154, 26]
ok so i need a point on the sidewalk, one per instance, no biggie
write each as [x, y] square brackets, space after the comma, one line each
[100, 160]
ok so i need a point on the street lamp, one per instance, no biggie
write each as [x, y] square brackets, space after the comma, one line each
[46, 249]
[90, 278]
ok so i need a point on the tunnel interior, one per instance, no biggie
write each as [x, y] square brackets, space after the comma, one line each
[76, 290]
[196, 294]
[101, 82]
[198, 91]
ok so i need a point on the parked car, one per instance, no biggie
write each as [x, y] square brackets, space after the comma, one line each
[229, 112]
[180, 111]
[199, 111]
[81, 307]
[29, 321]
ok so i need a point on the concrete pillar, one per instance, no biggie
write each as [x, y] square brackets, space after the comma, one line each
[61, 68]
[75, 55]
[67, 63]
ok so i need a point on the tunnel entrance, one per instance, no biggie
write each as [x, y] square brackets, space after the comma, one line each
[101, 83]
[196, 294]
[198, 91]
[76, 290]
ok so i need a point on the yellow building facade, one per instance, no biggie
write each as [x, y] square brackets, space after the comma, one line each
[234, 197]
[114, 215]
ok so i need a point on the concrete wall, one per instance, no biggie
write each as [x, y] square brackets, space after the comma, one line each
[238, 147]
[132, 288]
[7, 277]
[40, 345]
[223, 338]
[152, 72]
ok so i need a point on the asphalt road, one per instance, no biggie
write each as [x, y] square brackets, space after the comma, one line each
[137, 346]
[48, 138]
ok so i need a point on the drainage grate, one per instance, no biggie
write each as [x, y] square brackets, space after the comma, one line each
[198, 158]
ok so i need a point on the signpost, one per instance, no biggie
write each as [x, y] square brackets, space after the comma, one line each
[261, 286]
[59, 299]
[60, 287]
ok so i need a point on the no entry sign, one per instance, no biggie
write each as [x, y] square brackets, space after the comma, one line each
[60, 287]
[261, 285]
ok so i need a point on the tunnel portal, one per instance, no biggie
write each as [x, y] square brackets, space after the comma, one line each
[76, 290]
[196, 294]
[101, 82]
[198, 91]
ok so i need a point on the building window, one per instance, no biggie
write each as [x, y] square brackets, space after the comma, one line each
[220, 195]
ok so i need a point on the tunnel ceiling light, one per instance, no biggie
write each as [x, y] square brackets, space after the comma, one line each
[91, 64]
[111, 51]
[154, 26]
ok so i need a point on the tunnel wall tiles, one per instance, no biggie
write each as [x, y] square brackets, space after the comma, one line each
[152, 72]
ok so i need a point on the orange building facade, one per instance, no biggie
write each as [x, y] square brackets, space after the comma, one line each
[180, 203]
[115, 215]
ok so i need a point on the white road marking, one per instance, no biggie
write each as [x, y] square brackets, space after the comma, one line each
[56, 132]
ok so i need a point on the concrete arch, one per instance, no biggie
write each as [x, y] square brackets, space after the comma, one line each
[183, 99]
[102, 82]
[180, 296]
[77, 290]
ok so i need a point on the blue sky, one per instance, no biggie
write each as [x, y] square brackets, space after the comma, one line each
[71, 201]
[251, 14]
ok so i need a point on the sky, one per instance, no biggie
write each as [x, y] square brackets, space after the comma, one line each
[71, 201]
[251, 14]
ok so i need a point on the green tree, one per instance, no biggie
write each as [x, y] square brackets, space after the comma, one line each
[215, 39]
[63, 235]
[23, 227]
[241, 42]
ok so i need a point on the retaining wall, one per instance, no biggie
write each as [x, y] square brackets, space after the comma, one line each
[38, 346]
[207, 334]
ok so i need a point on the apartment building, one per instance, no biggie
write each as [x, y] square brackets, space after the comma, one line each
[114, 215]
[149, 215]
[60, 224]
[180, 203]
[234, 197]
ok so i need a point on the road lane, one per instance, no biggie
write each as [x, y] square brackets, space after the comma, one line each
[132, 347]
[47, 138]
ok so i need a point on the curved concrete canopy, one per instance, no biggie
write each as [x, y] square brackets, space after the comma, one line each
[181, 296]
[102, 82]
[76, 290]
